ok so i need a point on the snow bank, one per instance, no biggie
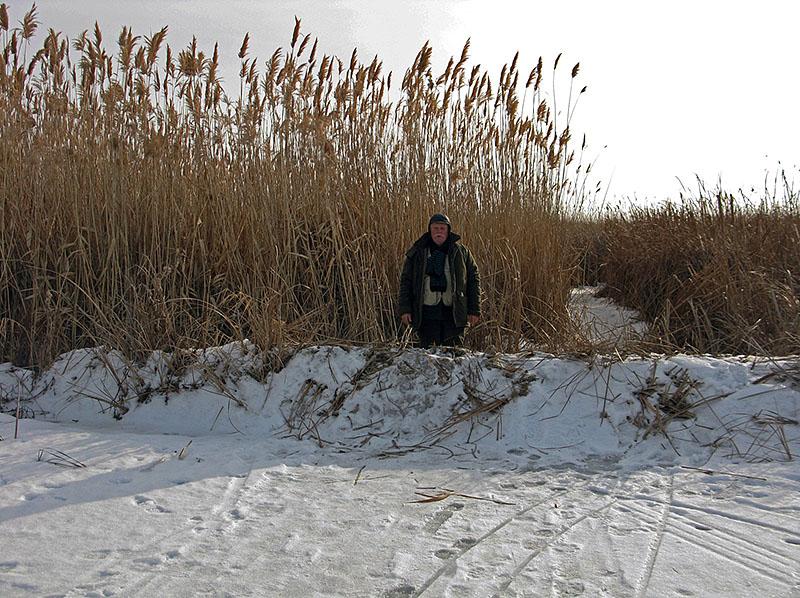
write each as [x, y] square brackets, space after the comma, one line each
[534, 409]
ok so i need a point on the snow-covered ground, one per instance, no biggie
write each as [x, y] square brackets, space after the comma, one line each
[600, 320]
[388, 472]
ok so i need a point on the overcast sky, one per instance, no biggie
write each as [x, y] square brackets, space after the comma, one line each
[675, 88]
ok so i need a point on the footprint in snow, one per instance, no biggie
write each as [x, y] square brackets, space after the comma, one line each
[149, 504]
[236, 515]
[150, 561]
[570, 587]
[441, 517]
[702, 528]
[566, 548]
[534, 483]
[464, 543]
[401, 591]
[107, 573]
[97, 555]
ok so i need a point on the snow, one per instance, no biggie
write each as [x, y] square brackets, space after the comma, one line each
[601, 320]
[385, 471]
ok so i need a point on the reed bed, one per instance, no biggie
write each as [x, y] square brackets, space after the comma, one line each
[713, 273]
[145, 206]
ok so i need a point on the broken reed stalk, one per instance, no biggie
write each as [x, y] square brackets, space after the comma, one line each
[57, 457]
[714, 472]
[445, 493]
[17, 413]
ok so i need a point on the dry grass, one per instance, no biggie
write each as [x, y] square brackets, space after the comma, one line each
[142, 207]
[714, 273]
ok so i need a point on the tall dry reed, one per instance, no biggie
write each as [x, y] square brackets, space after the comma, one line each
[143, 207]
[714, 273]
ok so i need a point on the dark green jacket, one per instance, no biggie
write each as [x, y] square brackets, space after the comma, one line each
[463, 274]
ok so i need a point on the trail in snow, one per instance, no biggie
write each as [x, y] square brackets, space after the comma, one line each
[655, 544]
[600, 320]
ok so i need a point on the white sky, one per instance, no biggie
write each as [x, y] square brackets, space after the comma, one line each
[675, 89]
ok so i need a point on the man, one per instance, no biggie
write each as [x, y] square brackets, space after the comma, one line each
[440, 288]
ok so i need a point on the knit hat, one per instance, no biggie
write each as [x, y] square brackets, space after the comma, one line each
[441, 218]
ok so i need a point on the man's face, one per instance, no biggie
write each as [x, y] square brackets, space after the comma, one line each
[439, 232]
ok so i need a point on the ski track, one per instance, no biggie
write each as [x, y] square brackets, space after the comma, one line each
[679, 505]
[655, 543]
[672, 520]
[562, 532]
[738, 518]
[559, 533]
[727, 546]
[450, 564]
[766, 551]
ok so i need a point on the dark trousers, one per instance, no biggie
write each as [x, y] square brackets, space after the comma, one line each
[440, 331]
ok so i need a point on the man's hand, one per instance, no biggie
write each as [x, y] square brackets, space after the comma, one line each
[406, 319]
[473, 319]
